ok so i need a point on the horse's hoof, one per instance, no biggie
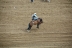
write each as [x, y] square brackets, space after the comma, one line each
[28, 30]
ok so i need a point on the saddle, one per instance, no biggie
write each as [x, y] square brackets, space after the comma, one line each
[33, 21]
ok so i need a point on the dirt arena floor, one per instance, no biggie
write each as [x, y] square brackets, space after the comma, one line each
[55, 32]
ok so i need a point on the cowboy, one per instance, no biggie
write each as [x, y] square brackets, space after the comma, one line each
[34, 16]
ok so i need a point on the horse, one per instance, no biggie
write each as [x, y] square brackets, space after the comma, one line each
[35, 22]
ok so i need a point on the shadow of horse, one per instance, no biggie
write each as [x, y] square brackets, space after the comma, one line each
[35, 22]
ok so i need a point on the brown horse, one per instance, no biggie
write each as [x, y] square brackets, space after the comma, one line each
[35, 22]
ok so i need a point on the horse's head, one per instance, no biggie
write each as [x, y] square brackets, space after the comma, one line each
[41, 21]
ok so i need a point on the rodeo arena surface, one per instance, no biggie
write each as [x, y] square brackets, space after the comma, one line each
[54, 32]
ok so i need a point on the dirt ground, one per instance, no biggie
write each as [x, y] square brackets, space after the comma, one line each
[55, 32]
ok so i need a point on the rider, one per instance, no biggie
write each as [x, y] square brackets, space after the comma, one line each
[34, 16]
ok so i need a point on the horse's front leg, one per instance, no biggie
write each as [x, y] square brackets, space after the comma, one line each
[38, 25]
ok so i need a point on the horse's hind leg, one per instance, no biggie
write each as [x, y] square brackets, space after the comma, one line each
[29, 27]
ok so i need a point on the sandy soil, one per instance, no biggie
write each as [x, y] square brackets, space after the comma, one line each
[55, 32]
